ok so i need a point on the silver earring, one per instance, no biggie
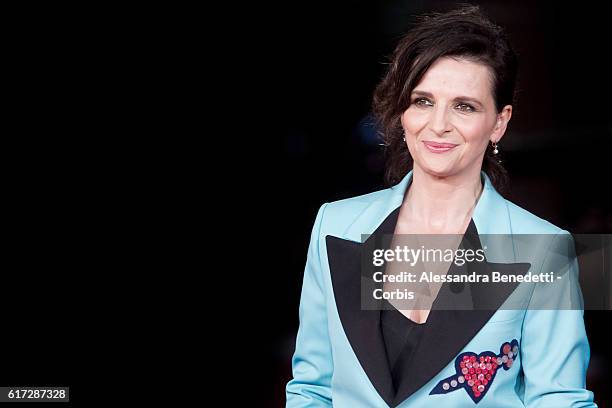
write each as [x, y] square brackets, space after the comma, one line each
[404, 133]
[495, 150]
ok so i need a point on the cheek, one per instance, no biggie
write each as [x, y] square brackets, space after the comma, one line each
[414, 120]
[474, 131]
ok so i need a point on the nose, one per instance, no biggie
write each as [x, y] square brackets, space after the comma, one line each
[439, 122]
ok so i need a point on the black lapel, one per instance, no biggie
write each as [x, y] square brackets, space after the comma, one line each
[362, 327]
[447, 331]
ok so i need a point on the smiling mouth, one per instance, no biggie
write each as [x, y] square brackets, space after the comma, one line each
[435, 147]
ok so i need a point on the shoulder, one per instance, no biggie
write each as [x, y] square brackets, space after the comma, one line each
[525, 222]
[336, 216]
[353, 205]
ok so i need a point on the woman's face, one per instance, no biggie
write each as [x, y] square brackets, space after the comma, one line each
[452, 118]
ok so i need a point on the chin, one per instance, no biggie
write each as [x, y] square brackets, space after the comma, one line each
[438, 173]
[438, 169]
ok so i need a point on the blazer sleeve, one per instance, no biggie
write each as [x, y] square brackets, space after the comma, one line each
[312, 363]
[555, 349]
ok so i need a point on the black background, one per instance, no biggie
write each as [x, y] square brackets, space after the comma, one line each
[98, 161]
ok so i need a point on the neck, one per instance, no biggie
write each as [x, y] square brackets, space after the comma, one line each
[442, 203]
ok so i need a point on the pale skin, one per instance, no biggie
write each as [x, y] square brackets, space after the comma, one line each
[453, 103]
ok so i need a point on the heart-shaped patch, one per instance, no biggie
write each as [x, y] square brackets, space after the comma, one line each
[476, 372]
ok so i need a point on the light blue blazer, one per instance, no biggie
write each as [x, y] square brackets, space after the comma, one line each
[526, 357]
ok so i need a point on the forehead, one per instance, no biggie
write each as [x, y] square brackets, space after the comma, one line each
[449, 77]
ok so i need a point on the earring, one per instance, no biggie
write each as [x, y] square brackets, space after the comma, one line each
[404, 133]
[494, 144]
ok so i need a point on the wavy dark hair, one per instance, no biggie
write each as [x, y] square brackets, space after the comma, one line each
[461, 33]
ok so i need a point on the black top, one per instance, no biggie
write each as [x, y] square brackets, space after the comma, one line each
[401, 336]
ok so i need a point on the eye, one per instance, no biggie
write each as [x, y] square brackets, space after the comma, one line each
[465, 107]
[422, 102]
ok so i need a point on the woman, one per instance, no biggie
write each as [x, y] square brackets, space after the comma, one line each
[443, 107]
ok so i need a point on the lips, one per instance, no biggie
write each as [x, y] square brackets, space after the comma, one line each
[436, 147]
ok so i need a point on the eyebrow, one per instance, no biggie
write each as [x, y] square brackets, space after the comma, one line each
[456, 99]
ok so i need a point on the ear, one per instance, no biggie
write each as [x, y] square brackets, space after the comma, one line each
[501, 124]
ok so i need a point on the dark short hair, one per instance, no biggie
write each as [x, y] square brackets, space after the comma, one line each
[461, 33]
